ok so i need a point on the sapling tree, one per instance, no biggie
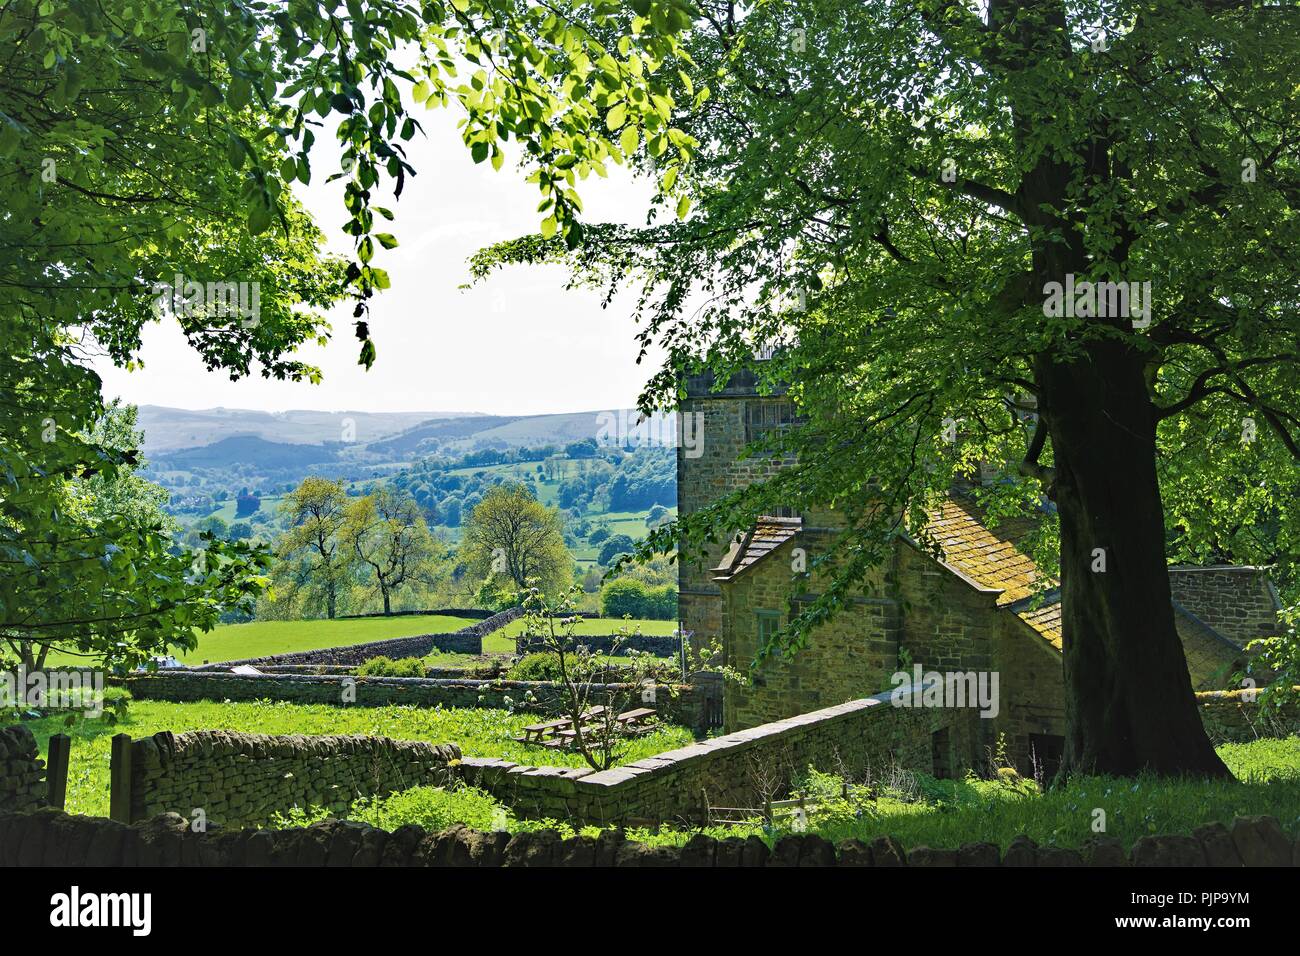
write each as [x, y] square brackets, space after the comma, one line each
[593, 690]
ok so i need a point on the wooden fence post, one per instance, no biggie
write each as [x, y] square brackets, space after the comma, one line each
[56, 770]
[119, 782]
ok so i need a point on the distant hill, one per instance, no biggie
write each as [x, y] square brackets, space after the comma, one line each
[247, 450]
[175, 428]
[499, 430]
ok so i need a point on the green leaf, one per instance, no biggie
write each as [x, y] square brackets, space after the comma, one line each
[548, 227]
[259, 219]
[629, 140]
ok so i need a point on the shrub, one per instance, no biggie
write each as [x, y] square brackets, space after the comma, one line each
[536, 667]
[661, 603]
[613, 547]
[387, 667]
[624, 596]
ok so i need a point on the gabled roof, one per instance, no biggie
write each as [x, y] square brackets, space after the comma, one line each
[986, 557]
[768, 534]
[990, 557]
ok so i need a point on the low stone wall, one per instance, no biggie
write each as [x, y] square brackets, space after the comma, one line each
[52, 838]
[691, 705]
[476, 613]
[856, 738]
[461, 642]
[22, 772]
[1230, 716]
[245, 779]
[657, 645]
[468, 640]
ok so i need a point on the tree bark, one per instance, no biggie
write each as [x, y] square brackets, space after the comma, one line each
[1129, 700]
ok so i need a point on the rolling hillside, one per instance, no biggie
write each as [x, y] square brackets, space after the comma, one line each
[167, 429]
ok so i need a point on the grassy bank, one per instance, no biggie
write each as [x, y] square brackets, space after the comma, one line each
[478, 732]
[920, 810]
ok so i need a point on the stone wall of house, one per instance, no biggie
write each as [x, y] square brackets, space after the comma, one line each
[1031, 681]
[1238, 602]
[1211, 658]
[655, 644]
[53, 838]
[858, 739]
[22, 771]
[714, 473]
[845, 659]
[691, 705]
[246, 779]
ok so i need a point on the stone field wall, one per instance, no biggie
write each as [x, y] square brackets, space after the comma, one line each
[22, 772]
[245, 779]
[53, 838]
[658, 645]
[856, 739]
[468, 640]
[691, 705]
[1231, 718]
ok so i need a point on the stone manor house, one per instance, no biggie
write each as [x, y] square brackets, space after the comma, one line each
[977, 608]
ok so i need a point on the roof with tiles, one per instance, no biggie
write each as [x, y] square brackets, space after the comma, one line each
[768, 534]
[990, 557]
[1045, 619]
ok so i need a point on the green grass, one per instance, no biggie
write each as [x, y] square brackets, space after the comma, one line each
[226, 510]
[939, 813]
[478, 732]
[502, 640]
[230, 642]
[948, 813]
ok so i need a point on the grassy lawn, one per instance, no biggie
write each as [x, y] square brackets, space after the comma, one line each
[502, 641]
[260, 638]
[478, 732]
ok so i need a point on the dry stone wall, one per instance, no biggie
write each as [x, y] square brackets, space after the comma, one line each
[691, 705]
[657, 645]
[1231, 716]
[245, 779]
[22, 772]
[52, 838]
[468, 640]
[858, 738]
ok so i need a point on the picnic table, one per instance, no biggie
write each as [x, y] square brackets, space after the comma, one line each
[563, 732]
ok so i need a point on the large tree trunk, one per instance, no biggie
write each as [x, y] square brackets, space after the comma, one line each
[1129, 700]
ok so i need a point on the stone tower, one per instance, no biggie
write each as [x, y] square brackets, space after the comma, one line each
[721, 422]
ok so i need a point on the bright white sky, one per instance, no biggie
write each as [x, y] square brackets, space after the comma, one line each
[515, 344]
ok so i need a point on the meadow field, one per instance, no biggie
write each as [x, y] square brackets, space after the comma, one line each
[479, 732]
[230, 642]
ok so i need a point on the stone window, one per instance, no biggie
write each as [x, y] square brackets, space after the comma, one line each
[769, 622]
[760, 417]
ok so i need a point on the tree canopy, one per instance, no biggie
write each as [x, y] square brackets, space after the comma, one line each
[917, 201]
